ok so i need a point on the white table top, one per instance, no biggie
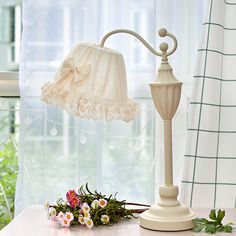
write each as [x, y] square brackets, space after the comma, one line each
[33, 222]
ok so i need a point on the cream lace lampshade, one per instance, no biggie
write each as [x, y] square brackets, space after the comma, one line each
[91, 83]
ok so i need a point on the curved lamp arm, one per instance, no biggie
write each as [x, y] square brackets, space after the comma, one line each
[162, 33]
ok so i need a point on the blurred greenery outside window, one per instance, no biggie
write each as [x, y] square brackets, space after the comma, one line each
[10, 36]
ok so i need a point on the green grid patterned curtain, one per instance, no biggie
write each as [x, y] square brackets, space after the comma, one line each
[209, 178]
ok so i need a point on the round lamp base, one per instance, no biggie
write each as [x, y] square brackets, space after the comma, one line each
[167, 218]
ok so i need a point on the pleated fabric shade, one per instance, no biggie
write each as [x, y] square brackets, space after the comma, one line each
[91, 83]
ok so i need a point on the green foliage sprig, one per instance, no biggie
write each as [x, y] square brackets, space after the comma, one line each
[214, 224]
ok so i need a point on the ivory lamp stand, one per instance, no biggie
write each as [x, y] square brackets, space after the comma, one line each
[168, 214]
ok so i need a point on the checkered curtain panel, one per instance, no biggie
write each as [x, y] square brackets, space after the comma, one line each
[209, 178]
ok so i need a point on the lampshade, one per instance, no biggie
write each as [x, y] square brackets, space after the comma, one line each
[91, 83]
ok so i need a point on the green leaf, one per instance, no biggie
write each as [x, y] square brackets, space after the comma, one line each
[220, 216]
[201, 221]
[210, 229]
[219, 228]
[212, 214]
[198, 228]
[227, 228]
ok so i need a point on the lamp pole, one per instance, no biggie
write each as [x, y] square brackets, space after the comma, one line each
[168, 152]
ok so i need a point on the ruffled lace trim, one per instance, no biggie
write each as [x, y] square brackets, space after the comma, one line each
[59, 93]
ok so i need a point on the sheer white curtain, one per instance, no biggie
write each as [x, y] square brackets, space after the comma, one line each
[211, 152]
[59, 151]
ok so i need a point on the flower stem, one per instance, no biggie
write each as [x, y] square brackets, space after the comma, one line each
[136, 204]
[138, 210]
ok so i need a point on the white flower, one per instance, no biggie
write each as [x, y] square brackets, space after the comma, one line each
[102, 202]
[85, 207]
[89, 223]
[86, 215]
[94, 204]
[69, 216]
[105, 219]
[60, 216]
[64, 222]
[52, 213]
[81, 220]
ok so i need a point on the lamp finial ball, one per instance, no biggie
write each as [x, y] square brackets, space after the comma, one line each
[162, 32]
[164, 47]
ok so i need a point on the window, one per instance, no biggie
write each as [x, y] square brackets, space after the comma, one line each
[10, 28]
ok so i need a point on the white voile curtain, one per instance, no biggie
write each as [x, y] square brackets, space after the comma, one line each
[58, 151]
[210, 158]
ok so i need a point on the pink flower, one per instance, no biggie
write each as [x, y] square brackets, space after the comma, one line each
[85, 207]
[70, 195]
[69, 216]
[64, 222]
[74, 202]
[102, 202]
[72, 198]
[60, 216]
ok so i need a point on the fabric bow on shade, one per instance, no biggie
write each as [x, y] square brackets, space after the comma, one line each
[79, 73]
[91, 83]
[58, 91]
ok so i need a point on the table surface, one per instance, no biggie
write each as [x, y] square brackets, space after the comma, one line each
[33, 222]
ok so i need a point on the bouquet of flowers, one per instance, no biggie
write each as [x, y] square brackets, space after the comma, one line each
[90, 209]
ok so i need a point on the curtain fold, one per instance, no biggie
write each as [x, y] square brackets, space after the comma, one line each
[58, 151]
[210, 157]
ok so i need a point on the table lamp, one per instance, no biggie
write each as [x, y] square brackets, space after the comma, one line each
[91, 83]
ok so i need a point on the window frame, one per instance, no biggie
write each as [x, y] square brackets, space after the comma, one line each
[9, 84]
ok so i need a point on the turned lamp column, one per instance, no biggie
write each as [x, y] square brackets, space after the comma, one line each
[166, 93]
